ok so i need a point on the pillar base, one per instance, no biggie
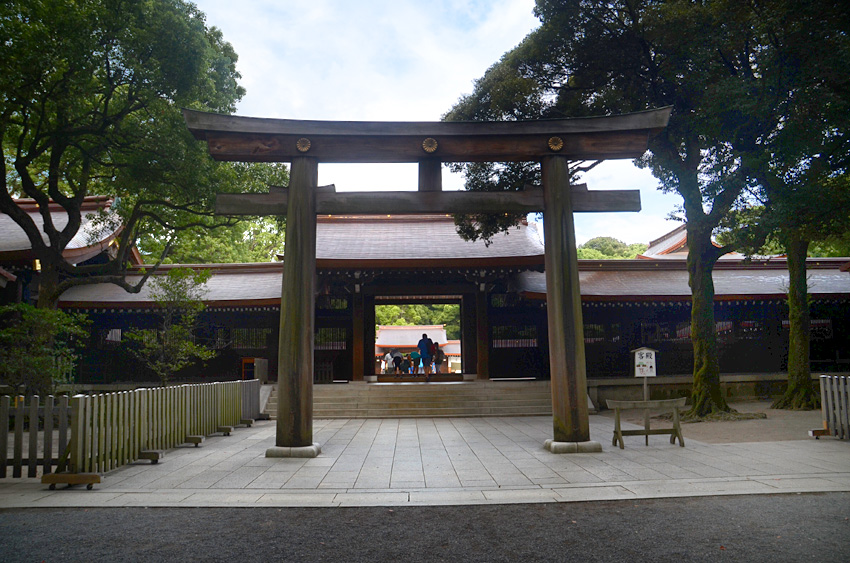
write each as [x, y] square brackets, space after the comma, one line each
[588, 447]
[302, 451]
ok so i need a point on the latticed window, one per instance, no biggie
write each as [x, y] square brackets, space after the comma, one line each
[819, 329]
[515, 336]
[505, 300]
[108, 337]
[331, 303]
[241, 338]
[594, 333]
[250, 337]
[221, 338]
[331, 338]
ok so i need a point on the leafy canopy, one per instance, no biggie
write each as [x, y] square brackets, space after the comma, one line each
[609, 248]
[410, 315]
[90, 98]
[258, 239]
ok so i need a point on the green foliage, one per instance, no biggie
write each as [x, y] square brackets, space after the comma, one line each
[602, 58]
[760, 109]
[832, 246]
[409, 315]
[90, 103]
[786, 118]
[608, 248]
[38, 347]
[171, 346]
[246, 240]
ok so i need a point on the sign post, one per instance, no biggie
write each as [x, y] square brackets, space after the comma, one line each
[645, 368]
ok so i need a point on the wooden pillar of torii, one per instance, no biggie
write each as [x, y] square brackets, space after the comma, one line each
[306, 144]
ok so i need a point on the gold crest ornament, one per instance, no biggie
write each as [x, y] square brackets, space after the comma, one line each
[303, 144]
[429, 145]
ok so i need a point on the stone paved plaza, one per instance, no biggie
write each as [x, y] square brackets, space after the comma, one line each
[448, 461]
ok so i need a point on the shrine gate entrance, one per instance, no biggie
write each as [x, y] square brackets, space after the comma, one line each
[306, 144]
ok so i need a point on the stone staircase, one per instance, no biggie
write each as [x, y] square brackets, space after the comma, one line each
[421, 400]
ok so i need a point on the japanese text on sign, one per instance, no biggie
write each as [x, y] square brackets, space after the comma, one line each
[645, 363]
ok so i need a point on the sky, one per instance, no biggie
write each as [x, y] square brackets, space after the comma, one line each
[398, 60]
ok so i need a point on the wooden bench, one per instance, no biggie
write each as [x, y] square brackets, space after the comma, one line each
[662, 404]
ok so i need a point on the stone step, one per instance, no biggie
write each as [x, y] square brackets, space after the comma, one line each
[425, 414]
[406, 400]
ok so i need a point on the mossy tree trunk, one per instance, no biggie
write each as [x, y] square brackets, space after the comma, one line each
[706, 395]
[801, 392]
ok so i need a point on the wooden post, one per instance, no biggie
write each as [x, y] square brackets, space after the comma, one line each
[468, 346]
[430, 175]
[297, 313]
[571, 422]
[369, 334]
[18, 448]
[78, 434]
[482, 330]
[358, 323]
[32, 452]
[63, 431]
[4, 436]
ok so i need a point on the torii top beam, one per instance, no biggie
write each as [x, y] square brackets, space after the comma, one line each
[249, 139]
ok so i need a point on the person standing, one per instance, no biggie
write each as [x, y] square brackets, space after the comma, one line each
[425, 344]
[439, 358]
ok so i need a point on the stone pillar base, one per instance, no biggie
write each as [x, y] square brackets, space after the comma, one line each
[302, 451]
[571, 447]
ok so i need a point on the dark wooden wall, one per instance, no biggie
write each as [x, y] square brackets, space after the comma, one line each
[752, 338]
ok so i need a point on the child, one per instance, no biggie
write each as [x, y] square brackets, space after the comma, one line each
[414, 361]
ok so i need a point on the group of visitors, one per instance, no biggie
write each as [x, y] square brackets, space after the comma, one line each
[427, 356]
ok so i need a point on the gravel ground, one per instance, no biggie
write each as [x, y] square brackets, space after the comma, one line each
[779, 425]
[775, 528]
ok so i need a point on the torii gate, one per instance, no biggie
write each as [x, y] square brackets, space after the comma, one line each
[305, 144]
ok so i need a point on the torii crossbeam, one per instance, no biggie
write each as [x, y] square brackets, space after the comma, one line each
[305, 144]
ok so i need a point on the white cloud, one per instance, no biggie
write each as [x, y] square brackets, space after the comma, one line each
[393, 60]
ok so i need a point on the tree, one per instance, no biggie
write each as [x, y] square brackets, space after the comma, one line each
[171, 346]
[90, 98]
[409, 315]
[594, 58]
[609, 248]
[786, 114]
[38, 346]
[259, 239]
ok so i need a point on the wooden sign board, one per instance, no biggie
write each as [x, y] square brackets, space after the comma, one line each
[644, 362]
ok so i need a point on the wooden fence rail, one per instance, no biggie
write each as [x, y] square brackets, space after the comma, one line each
[251, 398]
[835, 404]
[99, 433]
[52, 418]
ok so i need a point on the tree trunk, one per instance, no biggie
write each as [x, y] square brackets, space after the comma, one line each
[706, 395]
[801, 393]
[48, 282]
